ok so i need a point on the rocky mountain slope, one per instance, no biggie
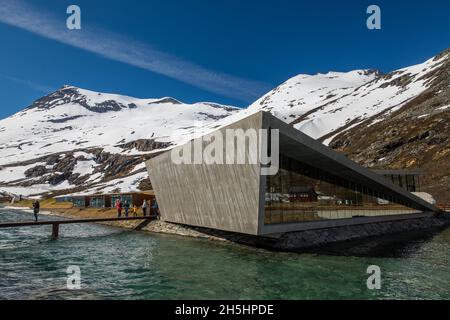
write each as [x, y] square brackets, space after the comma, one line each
[399, 120]
[414, 135]
[75, 140]
[326, 105]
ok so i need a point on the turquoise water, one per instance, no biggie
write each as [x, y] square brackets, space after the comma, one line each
[118, 264]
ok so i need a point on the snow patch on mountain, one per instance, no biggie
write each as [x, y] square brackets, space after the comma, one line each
[70, 119]
[90, 142]
[325, 105]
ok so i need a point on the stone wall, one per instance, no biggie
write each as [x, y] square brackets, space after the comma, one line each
[299, 240]
[320, 237]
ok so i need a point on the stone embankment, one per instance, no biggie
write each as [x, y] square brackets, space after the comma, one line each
[289, 241]
[305, 239]
[321, 237]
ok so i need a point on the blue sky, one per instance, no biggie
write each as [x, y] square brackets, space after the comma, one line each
[224, 51]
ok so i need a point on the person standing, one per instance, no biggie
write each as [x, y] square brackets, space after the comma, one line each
[155, 209]
[144, 208]
[36, 207]
[119, 208]
[127, 208]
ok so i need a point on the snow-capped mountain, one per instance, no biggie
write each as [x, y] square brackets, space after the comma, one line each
[325, 105]
[304, 94]
[73, 118]
[415, 134]
[400, 120]
[76, 140]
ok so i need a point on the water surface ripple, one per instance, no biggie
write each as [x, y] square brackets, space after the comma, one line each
[118, 264]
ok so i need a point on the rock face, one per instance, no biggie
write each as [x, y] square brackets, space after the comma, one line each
[145, 145]
[399, 120]
[76, 140]
[78, 171]
[415, 135]
[326, 105]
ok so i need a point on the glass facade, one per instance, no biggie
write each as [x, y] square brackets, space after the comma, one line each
[300, 192]
[123, 198]
[409, 182]
[97, 202]
[79, 202]
[63, 199]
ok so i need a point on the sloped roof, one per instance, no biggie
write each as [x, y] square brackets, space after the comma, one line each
[301, 147]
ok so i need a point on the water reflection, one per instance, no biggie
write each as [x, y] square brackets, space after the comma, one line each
[117, 264]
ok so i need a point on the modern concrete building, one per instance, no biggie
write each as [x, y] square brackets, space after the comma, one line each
[239, 198]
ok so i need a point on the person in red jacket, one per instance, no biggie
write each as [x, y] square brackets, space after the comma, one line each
[119, 208]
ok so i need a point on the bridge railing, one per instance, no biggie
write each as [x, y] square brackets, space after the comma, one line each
[55, 223]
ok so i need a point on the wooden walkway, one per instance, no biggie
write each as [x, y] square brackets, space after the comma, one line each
[56, 223]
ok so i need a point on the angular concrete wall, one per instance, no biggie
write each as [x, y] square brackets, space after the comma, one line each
[231, 197]
[219, 196]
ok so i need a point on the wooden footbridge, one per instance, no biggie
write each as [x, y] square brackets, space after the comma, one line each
[55, 223]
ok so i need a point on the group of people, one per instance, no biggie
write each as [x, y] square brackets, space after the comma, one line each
[126, 207]
[146, 205]
[146, 208]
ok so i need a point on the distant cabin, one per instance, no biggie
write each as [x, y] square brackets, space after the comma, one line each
[100, 201]
[109, 200]
[133, 198]
[80, 201]
[63, 199]
[5, 199]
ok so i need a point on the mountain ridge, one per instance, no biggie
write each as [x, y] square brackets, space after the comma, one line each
[102, 138]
